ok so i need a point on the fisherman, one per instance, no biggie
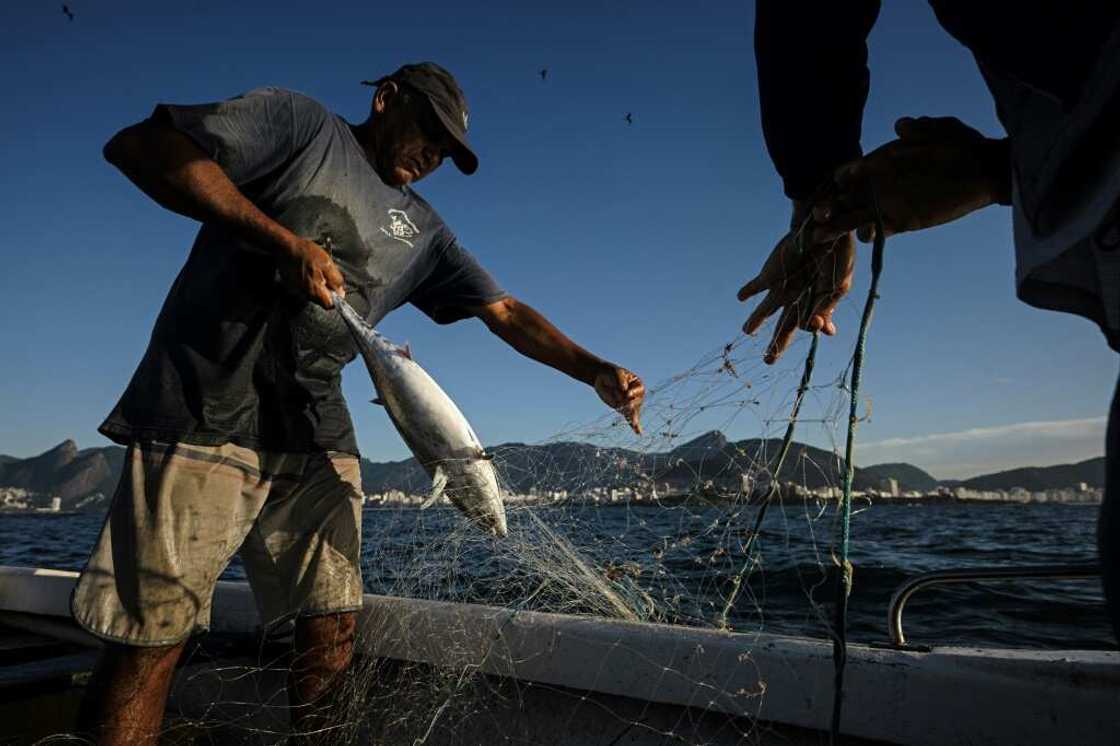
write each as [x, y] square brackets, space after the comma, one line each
[1054, 72]
[238, 436]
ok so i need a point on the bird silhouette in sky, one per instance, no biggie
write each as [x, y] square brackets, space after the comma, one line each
[543, 73]
[629, 118]
[66, 10]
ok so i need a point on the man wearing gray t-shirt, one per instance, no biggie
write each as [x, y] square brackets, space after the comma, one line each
[238, 437]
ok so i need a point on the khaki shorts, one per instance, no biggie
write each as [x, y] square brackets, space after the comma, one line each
[181, 512]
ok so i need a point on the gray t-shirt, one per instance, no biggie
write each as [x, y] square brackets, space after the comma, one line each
[234, 357]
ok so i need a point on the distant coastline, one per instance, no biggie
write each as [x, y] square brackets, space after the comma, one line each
[708, 470]
[1081, 494]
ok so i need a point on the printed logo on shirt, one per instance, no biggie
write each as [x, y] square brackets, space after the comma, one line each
[401, 227]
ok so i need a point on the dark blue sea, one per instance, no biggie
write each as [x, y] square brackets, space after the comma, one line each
[683, 559]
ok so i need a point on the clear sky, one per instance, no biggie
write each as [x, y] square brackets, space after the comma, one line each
[633, 239]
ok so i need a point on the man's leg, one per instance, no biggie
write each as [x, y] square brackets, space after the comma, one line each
[324, 646]
[176, 516]
[127, 693]
[1108, 528]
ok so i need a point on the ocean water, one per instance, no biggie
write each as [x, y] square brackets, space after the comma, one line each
[686, 569]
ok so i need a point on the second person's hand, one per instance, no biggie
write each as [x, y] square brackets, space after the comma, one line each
[939, 169]
[804, 279]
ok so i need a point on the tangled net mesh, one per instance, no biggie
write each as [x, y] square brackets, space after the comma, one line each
[663, 528]
[605, 523]
[647, 528]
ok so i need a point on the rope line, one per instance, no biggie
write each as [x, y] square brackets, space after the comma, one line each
[844, 577]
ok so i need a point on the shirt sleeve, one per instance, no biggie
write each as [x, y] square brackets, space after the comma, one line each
[457, 281]
[251, 134]
[812, 85]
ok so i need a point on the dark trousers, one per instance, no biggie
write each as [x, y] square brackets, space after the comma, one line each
[1108, 529]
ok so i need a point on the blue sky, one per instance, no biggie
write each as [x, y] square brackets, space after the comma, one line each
[633, 239]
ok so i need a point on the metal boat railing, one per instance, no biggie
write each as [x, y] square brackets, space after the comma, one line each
[968, 575]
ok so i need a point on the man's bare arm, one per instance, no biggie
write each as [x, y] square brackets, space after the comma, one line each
[534, 336]
[173, 170]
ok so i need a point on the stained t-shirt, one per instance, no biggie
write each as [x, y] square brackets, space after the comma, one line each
[234, 356]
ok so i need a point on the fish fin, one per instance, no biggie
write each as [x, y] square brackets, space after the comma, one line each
[406, 351]
[439, 482]
[378, 401]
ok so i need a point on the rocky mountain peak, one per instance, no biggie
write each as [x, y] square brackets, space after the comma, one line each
[712, 441]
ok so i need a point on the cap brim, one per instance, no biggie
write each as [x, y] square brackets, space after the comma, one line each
[464, 157]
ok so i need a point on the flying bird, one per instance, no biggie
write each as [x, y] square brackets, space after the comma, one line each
[629, 118]
[544, 73]
[66, 10]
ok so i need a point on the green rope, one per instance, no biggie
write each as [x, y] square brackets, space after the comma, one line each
[844, 578]
[787, 440]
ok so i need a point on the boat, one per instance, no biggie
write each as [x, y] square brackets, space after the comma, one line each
[551, 679]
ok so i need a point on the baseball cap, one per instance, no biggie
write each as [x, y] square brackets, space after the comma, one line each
[447, 100]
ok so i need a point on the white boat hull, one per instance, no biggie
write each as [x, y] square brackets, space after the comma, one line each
[949, 695]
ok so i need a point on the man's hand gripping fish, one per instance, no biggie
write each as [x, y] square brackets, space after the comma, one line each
[435, 430]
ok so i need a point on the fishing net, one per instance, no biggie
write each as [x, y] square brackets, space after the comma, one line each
[703, 521]
[716, 518]
[653, 527]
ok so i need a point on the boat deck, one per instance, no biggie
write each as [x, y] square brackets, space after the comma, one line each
[451, 674]
[231, 691]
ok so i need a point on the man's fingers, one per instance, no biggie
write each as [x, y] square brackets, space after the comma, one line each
[335, 281]
[321, 295]
[753, 287]
[636, 397]
[922, 130]
[780, 262]
[916, 130]
[633, 416]
[332, 277]
[769, 305]
[822, 322]
[631, 392]
[783, 335]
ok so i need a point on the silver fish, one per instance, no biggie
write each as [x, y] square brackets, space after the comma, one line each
[432, 426]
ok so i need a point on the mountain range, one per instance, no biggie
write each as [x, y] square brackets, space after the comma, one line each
[65, 471]
[1038, 478]
[74, 475]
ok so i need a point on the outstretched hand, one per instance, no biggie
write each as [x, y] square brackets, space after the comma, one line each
[939, 169]
[804, 278]
[622, 390]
